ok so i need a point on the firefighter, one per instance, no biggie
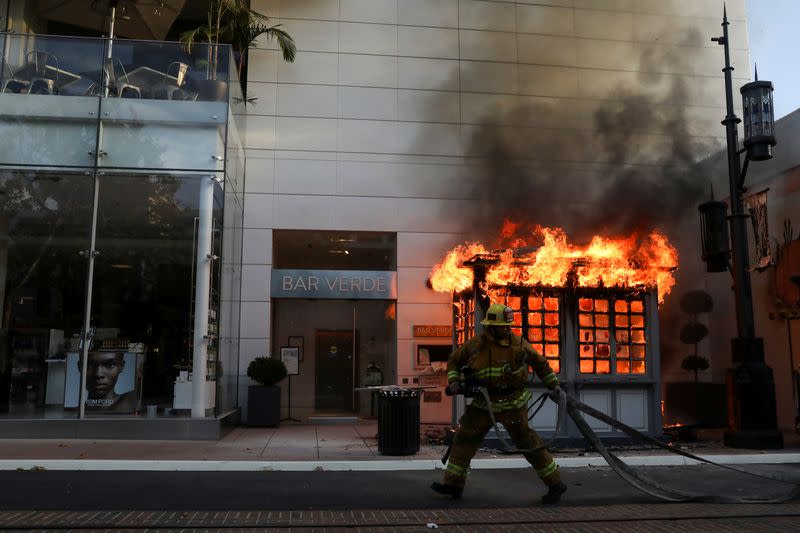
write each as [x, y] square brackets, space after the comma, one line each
[499, 361]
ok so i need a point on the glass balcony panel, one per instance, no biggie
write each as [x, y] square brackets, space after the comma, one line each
[165, 108]
[48, 103]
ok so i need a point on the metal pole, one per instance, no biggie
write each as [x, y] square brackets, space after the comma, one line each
[89, 283]
[201, 297]
[754, 382]
[742, 287]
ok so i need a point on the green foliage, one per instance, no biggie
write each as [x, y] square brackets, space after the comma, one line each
[266, 370]
[234, 23]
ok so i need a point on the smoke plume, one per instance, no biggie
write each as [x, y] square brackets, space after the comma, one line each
[613, 166]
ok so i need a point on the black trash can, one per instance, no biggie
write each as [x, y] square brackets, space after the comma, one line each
[398, 421]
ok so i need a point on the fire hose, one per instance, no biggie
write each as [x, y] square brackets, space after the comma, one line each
[570, 405]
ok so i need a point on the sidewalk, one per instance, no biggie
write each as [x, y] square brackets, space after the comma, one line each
[304, 446]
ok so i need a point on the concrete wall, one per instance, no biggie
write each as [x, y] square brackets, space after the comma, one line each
[372, 126]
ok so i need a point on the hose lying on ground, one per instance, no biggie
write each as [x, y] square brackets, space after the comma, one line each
[573, 407]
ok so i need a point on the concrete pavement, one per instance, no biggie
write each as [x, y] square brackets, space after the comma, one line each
[304, 446]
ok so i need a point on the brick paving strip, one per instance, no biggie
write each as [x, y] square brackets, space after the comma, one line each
[563, 517]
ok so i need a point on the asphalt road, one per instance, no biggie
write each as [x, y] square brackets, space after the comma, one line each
[319, 490]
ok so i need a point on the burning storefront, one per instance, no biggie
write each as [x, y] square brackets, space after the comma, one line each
[591, 310]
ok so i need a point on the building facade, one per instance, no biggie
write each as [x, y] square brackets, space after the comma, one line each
[380, 131]
[371, 156]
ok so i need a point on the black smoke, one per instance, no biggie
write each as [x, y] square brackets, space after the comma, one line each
[628, 166]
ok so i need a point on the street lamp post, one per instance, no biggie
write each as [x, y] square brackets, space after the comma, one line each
[754, 382]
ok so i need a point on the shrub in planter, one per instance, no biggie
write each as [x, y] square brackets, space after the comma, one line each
[264, 400]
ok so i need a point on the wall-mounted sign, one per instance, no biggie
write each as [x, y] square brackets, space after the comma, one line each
[334, 284]
[433, 331]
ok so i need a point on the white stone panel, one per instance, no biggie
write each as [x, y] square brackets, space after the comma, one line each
[367, 136]
[481, 15]
[409, 314]
[428, 106]
[249, 349]
[547, 50]
[611, 55]
[377, 11]
[488, 46]
[260, 174]
[379, 214]
[477, 108]
[313, 35]
[424, 250]
[299, 176]
[431, 215]
[427, 42]
[603, 25]
[428, 139]
[368, 103]
[262, 65]
[545, 20]
[304, 212]
[270, 8]
[560, 3]
[310, 67]
[257, 246]
[310, 9]
[412, 287]
[306, 134]
[439, 13]
[255, 320]
[256, 283]
[307, 100]
[548, 81]
[368, 71]
[260, 132]
[266, 94]
[258, 210]
[361, 178]
[435, 74]
[358, 38]
[481, 77]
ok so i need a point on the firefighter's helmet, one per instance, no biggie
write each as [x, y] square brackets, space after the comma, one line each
[498, 315]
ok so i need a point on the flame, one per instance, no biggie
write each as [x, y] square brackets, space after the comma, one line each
[450, 275]
[633, 261]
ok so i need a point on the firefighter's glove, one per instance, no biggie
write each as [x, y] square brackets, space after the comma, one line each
[455, 388]
[554, 393]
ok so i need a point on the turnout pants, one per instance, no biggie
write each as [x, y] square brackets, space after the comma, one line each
[472, 429]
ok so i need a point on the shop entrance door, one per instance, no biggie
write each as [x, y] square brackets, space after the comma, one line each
[335, 370]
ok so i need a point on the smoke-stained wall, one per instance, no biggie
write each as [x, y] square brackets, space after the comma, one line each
[437, 118]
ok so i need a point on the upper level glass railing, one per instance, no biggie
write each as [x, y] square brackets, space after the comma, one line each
[74, 66]
[156, 104]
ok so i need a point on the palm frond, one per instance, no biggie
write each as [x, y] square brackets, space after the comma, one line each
[285, 41]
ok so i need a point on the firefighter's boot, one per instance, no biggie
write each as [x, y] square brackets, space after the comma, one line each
[553, 495]
[452, 490]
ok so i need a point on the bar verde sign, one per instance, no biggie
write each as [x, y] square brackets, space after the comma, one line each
[334, 284]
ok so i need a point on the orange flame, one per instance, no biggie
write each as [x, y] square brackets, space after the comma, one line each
[633, 261]
[450, 275]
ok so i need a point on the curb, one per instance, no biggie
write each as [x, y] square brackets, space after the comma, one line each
[372, 465]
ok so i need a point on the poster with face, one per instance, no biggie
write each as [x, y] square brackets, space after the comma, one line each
[112, 381]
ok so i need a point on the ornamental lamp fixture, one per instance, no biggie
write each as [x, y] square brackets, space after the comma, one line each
[714, 235]
[759, 119]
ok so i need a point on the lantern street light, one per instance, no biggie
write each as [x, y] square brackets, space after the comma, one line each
[754, 383]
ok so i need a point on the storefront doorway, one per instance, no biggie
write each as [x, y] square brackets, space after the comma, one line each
[335, 361]
[344, 341]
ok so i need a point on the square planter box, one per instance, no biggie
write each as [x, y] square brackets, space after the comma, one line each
[263, 405]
